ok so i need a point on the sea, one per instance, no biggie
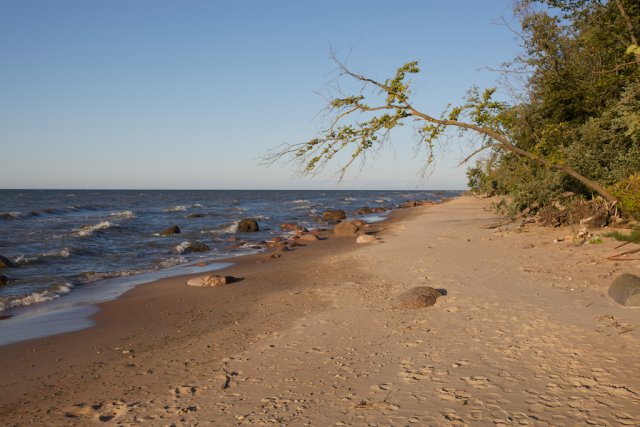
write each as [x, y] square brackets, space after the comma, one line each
[73, 249]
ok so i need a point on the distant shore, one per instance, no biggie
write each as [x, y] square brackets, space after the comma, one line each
[524, 333]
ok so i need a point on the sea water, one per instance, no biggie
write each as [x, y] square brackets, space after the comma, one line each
[77, 248]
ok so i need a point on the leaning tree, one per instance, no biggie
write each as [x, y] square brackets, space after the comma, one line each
[362, 122]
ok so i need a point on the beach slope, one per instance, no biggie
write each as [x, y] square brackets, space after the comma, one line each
[524, 334]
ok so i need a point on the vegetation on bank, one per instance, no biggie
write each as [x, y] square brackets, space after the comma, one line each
[571, 126]
[582, 106]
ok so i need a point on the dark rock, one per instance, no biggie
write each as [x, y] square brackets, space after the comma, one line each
[248, 225]
[171, 230]
[310, 237]
[335, 215]
[364, 210]
[379, 209]
[194, 215]
[192, 246]
[419, 297]
[6, 263]
[4, 280]
[409, 204]
[625, 290]
[345, 228]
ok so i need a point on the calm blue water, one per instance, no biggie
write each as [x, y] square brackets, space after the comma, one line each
[65, 241]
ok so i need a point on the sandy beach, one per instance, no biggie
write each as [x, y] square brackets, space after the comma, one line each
[525, 335]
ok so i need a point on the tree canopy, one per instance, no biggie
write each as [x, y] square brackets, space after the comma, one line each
[574, 126]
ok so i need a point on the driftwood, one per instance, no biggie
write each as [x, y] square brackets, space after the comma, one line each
[616, 257]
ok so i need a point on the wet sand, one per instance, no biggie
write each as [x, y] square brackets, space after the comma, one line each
[525, 335]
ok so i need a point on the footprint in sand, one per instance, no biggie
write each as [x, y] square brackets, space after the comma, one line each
[478, 382]
[184, 391]
[98, 412]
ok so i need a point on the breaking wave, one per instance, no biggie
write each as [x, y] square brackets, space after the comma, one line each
[88, 230]
[122, 215]
[35, 297]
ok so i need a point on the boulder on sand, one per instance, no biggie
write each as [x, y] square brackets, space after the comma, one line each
[211, 281]
[309, 237]
[248, 225]
[418, 297]
[625, 290]
[335, 215]
[6, 262]
[174, 229]
[366, 238]
[345, 228]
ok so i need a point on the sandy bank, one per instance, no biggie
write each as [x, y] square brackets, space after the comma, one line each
[525, 334]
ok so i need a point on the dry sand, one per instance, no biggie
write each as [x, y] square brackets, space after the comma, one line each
[525, 336]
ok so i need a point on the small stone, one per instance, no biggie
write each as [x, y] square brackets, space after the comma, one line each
[366, 238]
[334, 215]
[345, 228]
[174, 229]
[211, 281]
[6, 263]
[310, 237]
[248, 225]
[418, 297]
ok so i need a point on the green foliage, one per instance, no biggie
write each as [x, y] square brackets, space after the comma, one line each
[628, 193]
[583, 105]
[633, 236]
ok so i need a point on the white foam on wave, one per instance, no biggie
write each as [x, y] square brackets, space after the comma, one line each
[226, 228]
[55, 253]
[35, 297]
[197, 205]
[298, 202]
[172, 262]
[176, 208]
[12, 215]
[122, 215]
[183, 247]
[88, 230]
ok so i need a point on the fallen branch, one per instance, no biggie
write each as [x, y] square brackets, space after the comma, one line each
[617, 256]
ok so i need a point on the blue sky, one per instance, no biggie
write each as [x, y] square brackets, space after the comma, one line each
[191, 94]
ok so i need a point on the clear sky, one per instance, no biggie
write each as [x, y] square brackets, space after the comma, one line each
[190, 94]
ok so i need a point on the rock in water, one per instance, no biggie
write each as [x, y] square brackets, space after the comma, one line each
[174, 229]
[211, 281]
[625, 290]
[345, 228]
[409, 204]
[192, 246]
[248, 225]
[3, 280]
[6, 262]
[366, 238]
[335, 215]
[419, 297]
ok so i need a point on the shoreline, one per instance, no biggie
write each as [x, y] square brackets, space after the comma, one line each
[313, 337]
[75, 312]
